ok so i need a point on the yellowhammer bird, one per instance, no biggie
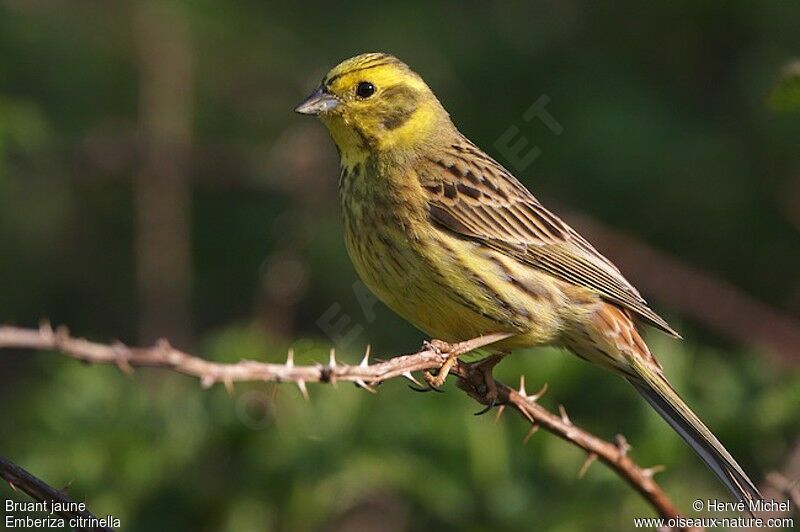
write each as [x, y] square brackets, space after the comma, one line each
[455, 244]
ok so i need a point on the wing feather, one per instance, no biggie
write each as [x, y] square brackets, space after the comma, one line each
[471, 194]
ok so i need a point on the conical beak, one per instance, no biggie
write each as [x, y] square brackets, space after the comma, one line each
[318, 102]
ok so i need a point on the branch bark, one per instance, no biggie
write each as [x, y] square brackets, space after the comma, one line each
[472, 379]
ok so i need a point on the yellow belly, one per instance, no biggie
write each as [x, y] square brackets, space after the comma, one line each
[451, 288]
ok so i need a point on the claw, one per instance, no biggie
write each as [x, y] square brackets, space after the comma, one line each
[425, 390]
[488, 407]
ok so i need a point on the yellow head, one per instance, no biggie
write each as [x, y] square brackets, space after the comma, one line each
[374, 103]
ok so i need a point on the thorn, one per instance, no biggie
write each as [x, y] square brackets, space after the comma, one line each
[121, 357]
[365, 360]
[61, 335]
[500, 410]
[163, 345]
[651, 471]
[365, 363]
[124, 367]
[45, 329]
[530, 398]
[590, 458]
[207, 381]
[564, 416]
[413, 379]
[361, 384]
[538, 395]
[622, 445]
[228, 384]
[303, 390]
[290, 358]
[531, 432]
[13, 487]
[332, 359]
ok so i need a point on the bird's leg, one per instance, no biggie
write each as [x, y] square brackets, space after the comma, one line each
[452, 352]
[436, 381]
[478, 381]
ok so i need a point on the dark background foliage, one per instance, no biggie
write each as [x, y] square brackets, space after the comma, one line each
[154, 182]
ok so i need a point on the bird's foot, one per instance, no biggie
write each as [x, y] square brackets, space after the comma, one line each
[479, 382]
[435, 379]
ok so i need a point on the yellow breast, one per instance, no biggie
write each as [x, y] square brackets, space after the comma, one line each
[451, 288]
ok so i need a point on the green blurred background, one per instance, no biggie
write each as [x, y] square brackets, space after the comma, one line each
[155, 182]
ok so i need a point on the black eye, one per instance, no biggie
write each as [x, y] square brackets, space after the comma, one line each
[365, 89]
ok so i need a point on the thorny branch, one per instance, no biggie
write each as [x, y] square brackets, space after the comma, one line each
[37, 489]
[473, 378]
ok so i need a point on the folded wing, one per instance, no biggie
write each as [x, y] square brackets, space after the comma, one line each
[470, 194]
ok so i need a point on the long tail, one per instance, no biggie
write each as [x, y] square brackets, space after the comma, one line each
[611, 340]
[665, 400]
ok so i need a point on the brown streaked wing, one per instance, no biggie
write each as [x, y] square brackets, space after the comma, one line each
[471, 194]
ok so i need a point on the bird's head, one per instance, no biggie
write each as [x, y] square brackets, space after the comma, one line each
[374, 103]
